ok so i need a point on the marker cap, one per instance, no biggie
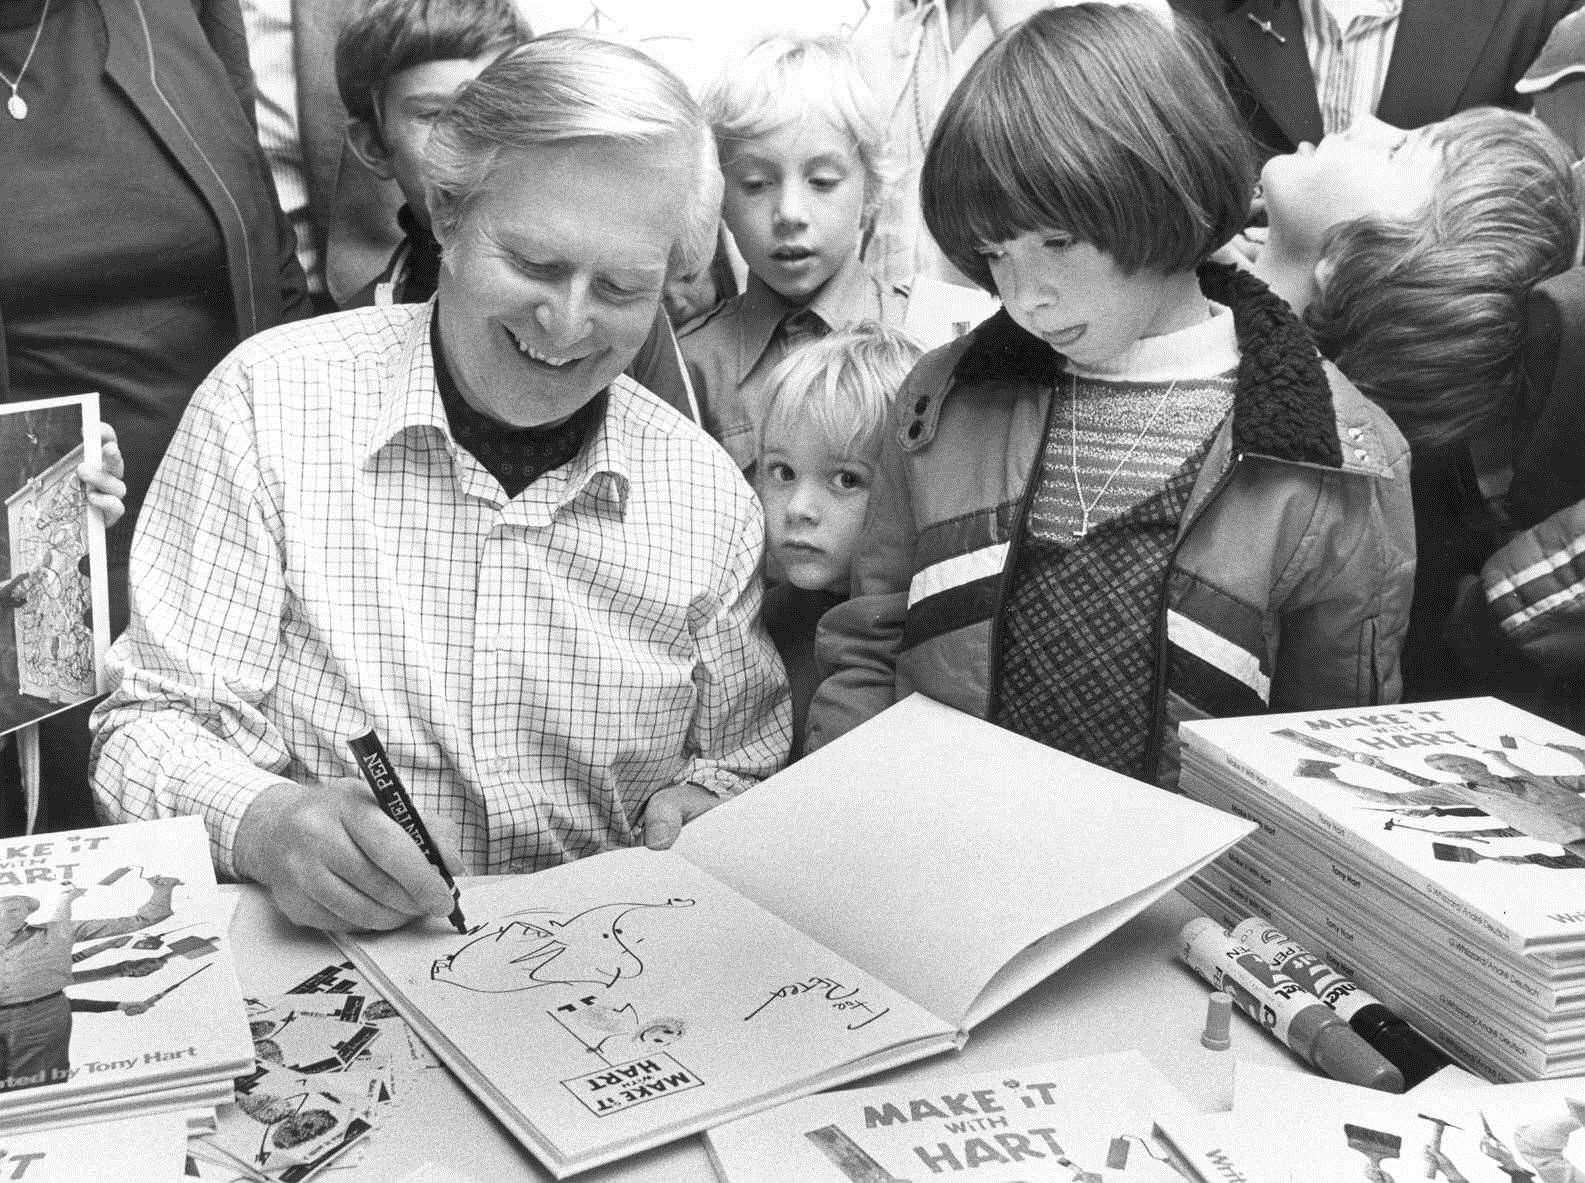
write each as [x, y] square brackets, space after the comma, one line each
[1218, 1020]
[1340, 1053]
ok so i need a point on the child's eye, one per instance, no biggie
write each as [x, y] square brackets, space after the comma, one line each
[1057, 242]
[781, 472]
[824, 184]
[753, 184]
[848, 480]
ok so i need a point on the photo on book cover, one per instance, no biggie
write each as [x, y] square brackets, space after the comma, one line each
[1475, 803]
[54, 592]
[115, 968]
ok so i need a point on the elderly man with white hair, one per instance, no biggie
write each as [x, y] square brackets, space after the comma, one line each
[459, 523]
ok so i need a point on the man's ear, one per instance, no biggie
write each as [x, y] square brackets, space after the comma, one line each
[369, 146]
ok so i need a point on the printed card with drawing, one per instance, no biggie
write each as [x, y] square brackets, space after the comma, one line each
[54, 594]
[1298, 1128]
[861, 910]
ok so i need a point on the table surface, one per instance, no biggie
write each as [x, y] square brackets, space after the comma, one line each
[1126, 992]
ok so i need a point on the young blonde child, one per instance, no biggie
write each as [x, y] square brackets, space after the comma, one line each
[799, 135]
[819, 439]
[1137, 494]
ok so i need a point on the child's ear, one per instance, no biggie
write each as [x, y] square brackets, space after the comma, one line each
[1322, 273]
[369, 146]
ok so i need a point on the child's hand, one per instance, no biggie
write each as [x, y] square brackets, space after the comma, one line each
[102, 478]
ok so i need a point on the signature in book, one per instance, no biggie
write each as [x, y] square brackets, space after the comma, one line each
[841, 998]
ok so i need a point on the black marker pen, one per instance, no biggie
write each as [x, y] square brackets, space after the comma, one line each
[398, 806]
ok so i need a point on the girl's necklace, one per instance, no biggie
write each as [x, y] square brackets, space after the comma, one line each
[1086, 508]
[16, 104]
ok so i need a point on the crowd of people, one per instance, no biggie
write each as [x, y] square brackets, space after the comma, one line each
[619, 475]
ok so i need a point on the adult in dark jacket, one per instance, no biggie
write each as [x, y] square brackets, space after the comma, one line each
[1447, 56]
[143, 241]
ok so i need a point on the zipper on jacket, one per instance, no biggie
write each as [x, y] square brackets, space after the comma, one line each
[1151, 767]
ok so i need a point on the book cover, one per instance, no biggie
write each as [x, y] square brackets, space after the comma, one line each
[1089, 1118]
[54, 595]
[1289, 1127]
[1473, 804]
[116, 976]
[862, 909]
[143, 1147]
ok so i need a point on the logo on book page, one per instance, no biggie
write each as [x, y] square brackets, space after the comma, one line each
[622, 1086]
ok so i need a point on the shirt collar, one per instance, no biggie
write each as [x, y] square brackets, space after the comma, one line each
[412, 398]
[850, 295]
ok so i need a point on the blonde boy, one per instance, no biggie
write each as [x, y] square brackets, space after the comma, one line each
[825, 411]
[799, 135]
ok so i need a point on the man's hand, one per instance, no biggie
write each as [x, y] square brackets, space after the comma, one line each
[670, 808]
[331, 859]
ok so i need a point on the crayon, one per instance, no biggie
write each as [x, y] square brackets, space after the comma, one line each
[1415, 1056]
[398, 806]
[1315, 1032]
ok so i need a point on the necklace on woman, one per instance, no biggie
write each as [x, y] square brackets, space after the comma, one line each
[1087, 508]
[16, 104]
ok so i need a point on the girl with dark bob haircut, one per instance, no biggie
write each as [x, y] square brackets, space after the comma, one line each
[1137, 494]
[1126, 141]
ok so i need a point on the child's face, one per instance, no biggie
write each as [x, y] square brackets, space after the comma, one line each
[1074, 296]
[1371, 168]
[814, 502]
[794, 200]
[413, 99]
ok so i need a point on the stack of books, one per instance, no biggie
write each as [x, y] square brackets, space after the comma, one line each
[1435, 852]
[118, 995]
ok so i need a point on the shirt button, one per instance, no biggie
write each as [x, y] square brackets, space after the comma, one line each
[921, 406]
[1354, 433]
[1361, 454]
[914, 429]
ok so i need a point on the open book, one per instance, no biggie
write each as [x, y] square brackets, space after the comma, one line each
[860, 910]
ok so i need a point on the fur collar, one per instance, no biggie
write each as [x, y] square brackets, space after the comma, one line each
[1282, 402]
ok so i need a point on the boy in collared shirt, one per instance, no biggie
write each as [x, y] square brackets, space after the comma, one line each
[799, 135]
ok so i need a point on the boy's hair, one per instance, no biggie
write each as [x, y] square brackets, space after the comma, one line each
[563, 88]
[1101, 121]
[840, 385]
[1426, 314]
[389, 36]
[784, 80]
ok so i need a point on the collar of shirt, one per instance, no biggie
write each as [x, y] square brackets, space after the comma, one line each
[849, 295]
[601, 466]
[1351, 16]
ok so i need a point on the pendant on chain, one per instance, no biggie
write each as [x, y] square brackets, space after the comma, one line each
[17, 106]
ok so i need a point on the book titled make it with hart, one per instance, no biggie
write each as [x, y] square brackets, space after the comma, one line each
[861, 910]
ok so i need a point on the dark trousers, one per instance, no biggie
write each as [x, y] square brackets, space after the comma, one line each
[35, 1042]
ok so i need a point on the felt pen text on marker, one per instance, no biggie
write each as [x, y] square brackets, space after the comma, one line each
[1315, 1032]
[394, 802]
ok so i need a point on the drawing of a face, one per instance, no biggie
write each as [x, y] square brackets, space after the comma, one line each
[660, 1033]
